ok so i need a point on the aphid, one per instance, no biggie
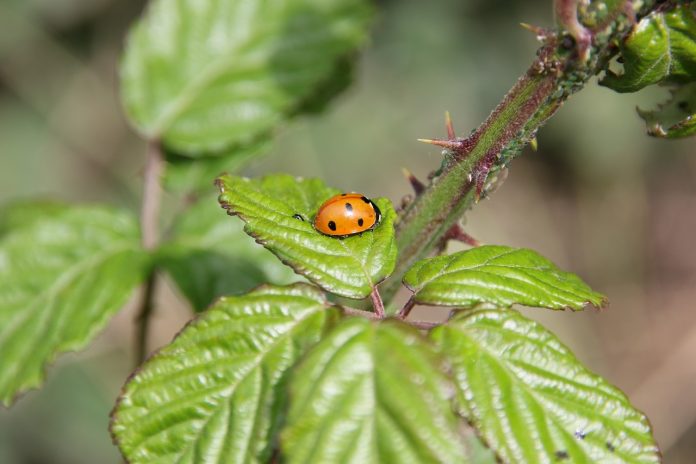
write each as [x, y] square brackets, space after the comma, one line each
[347, 214]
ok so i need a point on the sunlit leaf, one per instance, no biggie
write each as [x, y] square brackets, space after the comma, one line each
[349, 267]
[371, 393]
[206, 76]
[497, 275]
[217, 392]
[661, 48]
[532, 400]
[61, 278]
[208, 256]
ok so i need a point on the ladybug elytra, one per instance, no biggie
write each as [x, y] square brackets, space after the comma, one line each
[347, 214]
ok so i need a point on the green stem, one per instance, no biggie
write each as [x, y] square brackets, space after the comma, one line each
[555, 74]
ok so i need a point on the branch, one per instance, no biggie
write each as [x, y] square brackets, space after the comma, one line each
[149, 222]
[561, 68]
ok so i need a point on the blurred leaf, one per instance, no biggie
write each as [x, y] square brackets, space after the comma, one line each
[208, 76]
[531, 399]
[19, 214]
[209, 255]
[187, 174]
[676, 117]
[368, 393]
[348, 267]
[216, 393]
[61, 278]
[662, 47]
[497, 275]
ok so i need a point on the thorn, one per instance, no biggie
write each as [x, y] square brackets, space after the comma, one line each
[541, 33]
[449, 126]
[451, 144]
[457, 233]
[417, 185]
[534, 144]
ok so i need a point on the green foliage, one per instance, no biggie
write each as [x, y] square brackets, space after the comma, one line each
[187, 175]
[61, 277]
[208, 256]
[216, 393]
[497, 275]
[531, 399]
[371, 393]
[348, 267]
[14, 216]
[204, 77]
[662, 48]
[675, 118]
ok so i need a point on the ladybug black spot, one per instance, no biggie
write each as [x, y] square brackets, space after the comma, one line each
[349, 207]
[344, 194]
[332, 225]
[360, 222]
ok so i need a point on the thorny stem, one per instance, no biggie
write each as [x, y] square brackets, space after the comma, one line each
[562, 67]
[149, 221]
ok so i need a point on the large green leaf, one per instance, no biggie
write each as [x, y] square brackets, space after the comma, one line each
[676, 117]
[217, 392]
[209, 256]
[61, 278]
[662, 47]
[371, 393]
[205, 76]
[349, 267]
[196, 175]
[499, 275]
[19, 214]
[532, 400]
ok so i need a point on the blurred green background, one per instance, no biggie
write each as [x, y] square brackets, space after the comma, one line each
[599, 197]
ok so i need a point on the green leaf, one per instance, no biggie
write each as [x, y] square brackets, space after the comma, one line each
[532, 400]
[675, 118]
[371, 393]
[208, 76]
[348, 267]
[500, 276]
[217, 392]
[23, 213]
[661, 48]
[61, 278]
[196, 175]
[209, 256]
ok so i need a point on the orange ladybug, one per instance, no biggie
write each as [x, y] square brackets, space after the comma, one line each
[347, 214]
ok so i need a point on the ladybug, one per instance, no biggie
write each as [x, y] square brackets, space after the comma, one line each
[347, 214]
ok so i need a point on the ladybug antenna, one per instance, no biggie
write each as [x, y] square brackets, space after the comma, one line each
[417, 185]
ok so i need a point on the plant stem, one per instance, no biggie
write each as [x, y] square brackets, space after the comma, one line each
[423, 325]
[377, 303]
[143, 319]
[149, 222]
[406, 310]
[555, 74]
[152, 195]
